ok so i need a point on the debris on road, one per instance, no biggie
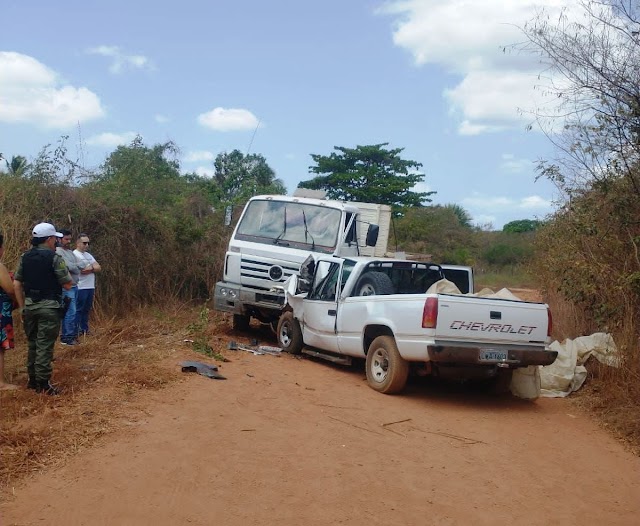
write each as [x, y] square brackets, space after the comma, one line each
[210, 371]
[254, 349]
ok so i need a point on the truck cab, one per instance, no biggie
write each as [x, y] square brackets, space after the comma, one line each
[274, 235]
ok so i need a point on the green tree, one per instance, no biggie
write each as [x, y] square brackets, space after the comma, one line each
[242, 176]
[368, 173]
[437, 231]
[464, 218]
[522, 225]
[17, 166]
[141, 174]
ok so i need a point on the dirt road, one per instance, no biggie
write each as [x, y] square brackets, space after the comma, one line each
[290, 442]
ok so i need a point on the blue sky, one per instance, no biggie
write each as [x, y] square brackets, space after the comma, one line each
[429, 76]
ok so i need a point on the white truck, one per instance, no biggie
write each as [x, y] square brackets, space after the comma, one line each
[379, 309]
[276, 233]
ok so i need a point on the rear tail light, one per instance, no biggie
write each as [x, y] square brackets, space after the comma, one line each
[550, 324]
[430, 313]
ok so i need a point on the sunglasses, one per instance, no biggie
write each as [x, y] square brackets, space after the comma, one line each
[84, 242]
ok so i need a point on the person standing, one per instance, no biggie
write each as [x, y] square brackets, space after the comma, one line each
[38, 284]
[86, 283]
[7, 299]
[69, 331]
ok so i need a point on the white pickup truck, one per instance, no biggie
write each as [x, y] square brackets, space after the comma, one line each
[379, 309]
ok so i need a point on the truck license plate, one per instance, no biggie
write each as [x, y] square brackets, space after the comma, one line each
[493, 356]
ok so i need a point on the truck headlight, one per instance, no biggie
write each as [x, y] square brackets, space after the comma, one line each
[224, 291]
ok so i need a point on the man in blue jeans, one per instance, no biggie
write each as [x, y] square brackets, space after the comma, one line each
[86, 284]
[69, 331]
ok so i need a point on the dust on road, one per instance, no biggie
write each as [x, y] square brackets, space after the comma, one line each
[288, 441]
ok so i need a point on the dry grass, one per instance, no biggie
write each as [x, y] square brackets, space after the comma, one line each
[610, 395]
[101, 380]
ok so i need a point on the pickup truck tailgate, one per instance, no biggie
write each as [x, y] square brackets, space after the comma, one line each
[469, 318]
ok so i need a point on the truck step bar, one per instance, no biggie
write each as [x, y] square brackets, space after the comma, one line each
[342, 360]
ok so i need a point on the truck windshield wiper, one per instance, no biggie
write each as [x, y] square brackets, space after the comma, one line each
[276, 241]
[307, 233]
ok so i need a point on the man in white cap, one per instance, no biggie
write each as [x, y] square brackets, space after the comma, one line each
[38, 284]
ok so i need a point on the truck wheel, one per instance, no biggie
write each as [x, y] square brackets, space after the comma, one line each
[289, 333]
[241, 322]
[387, 371]
[374, 283]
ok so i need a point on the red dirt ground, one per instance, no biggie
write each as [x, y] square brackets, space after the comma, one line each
[289, 441]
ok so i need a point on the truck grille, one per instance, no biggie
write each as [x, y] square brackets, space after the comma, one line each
[262, 275]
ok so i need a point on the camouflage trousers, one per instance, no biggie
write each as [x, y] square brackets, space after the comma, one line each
[42, 326]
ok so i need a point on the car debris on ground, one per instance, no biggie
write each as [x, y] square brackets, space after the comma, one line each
[210, 371]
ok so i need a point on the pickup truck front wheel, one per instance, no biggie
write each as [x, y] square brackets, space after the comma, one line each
[387, 371]
[289, 333]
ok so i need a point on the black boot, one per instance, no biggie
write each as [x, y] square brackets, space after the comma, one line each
[45, 387]
[32, 384]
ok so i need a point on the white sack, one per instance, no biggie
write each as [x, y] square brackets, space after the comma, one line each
[567, 373]
[443, 286]
[526, 382]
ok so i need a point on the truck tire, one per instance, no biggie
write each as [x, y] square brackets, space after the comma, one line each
[387, 371]
[374, 283]
[241, 322]
[289, 334]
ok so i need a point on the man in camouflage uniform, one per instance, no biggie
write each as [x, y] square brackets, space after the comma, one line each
[38, 284]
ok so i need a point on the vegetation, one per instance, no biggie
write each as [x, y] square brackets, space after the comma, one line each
[154, 226]
[239, 177]
[368, 173]
[522, 225]
[588, 255]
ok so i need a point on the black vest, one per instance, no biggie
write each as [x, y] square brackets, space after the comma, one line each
[40, 282]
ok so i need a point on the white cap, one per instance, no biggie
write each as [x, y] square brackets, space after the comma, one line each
[45, 230]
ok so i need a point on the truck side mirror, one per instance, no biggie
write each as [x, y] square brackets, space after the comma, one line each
[228, 211]
[372, 235]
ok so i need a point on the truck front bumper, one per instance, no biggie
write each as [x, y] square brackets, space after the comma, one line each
[513, 358]
[228, 297]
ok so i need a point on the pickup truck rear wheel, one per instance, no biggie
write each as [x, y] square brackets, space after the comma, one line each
[387, 371]
[289, 333]
[374, 283]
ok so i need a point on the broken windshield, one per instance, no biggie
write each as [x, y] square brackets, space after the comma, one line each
[286, 223]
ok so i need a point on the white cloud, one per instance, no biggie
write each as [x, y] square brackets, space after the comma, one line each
[119, 60]
[496, 211]
[232, 119]
[468, 39]
[198, 156]
[483, 201]
[161, 119]
[111, 140]
[30, 92]
[512, 165]
[471, 128]
[203, 171]
[499, 210]
[536, 202]
[478, 201]
[422, 187]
